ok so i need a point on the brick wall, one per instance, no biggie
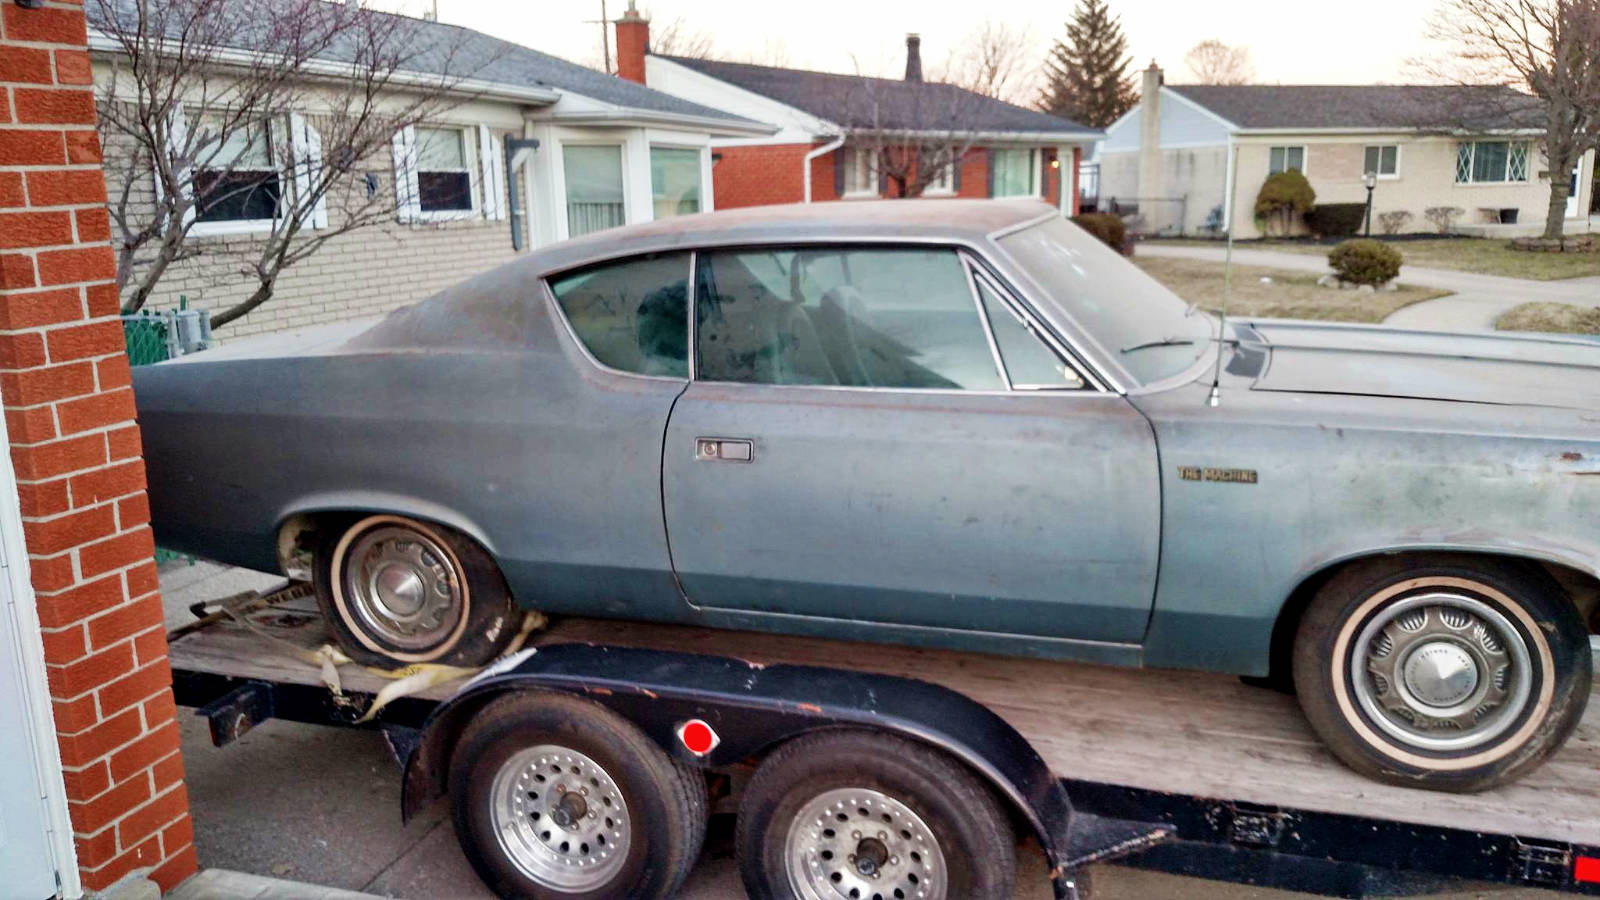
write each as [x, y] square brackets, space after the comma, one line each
[766, 174]
[69, 413]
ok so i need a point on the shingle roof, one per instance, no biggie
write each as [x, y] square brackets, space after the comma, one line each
[1489, 107]
[856, 101]
[437, 48]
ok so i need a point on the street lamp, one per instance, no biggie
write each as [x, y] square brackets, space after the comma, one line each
[1371, 181]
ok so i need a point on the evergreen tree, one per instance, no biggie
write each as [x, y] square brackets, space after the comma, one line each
[1086, 76]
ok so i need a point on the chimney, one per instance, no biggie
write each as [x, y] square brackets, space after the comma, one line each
[1151, 177]
[633, 42]
[913, 57]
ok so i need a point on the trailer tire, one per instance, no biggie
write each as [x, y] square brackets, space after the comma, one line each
[524, 843]
[893, 800]
[477, 615]
[1450, 672]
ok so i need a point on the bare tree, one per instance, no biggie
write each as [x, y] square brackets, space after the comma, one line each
[914, 134]
[1213, 62]
[1548, 48]
[996, 60]
[266, 105]
[675, 39]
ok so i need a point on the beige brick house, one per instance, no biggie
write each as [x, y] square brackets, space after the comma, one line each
[1168, 157]
[610, 152]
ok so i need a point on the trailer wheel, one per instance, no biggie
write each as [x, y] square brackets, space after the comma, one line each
[397, 590]
[557, 797]
[1450, 672]
[858, 815]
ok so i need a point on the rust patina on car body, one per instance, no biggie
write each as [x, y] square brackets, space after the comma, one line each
[1130, 522]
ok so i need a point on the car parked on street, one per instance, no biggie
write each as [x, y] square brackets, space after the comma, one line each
[949, 423]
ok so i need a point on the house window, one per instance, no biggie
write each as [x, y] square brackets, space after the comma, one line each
[594, 188]
[1491, 162]
[1016, 173]
[444, 178]
[1282, 159]
[1382, 160]
[240, 181]
[860, 172]
[674, 181]
[943, 180]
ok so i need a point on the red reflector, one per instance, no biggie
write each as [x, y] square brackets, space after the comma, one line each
[1586, 870]
[697, 737]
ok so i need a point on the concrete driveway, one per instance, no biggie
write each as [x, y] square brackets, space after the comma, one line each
[1476, 302]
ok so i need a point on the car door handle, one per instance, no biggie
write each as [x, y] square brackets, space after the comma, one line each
[708, 449]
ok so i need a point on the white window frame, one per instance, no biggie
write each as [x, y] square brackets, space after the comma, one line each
[700, 171]
[626, 162]
[230, 227]
[469, 153]
[859, 160]
[1471, 180]
[946, 185]
[1305, 159]
[1398, 151]
[1035, 183]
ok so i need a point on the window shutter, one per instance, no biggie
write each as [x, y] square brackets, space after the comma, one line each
[408, 205]
[840, 160]
[305, 149]
[988, 155]
[177, 145]
[492, 167]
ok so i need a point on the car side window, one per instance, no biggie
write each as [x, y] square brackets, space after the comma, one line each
[855, 317]
[1030, 364]
[632, 316]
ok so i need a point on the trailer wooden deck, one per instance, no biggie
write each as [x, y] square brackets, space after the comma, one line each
[1187, 733]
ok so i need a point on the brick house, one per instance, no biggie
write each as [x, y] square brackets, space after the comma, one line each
[609, 153]
[830, 128]
[92, 790]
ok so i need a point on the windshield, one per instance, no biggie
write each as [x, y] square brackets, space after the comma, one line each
[1149, 330]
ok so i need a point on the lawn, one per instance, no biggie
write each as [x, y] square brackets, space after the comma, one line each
[1561, 318]
[1285, 295]
[1481, 255]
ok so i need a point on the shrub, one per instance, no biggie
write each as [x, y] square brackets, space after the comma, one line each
[1365, 261]
[1105, 226]
[1443, 217]
[1394, 221]
[1284, 194]
[1336, 219]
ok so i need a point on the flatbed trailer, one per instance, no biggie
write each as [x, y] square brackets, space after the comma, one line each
[1233, 770]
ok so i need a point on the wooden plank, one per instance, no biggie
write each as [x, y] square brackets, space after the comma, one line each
[1183, 732]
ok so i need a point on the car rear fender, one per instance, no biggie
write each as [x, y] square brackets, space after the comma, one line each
[365, 501]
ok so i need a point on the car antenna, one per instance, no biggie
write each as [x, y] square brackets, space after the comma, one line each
[1215, 397]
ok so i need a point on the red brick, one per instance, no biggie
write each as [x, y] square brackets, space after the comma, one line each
[26, 65]
[107, 483]
[78, 750]
[178, 835]
[180, 865]
[41, 461]
[103, 299]
[22, 351]
[96, 411]
[168, 771]
[115, 553]
[87, 783]
[81, 341]
[142, 580]
[66, 187]
[16, 270]
[147, 853]
[78, 264]
[5, 106]
[151, 645]
[97, 849]
[154, 816]
[64, 646]
[72, 67]
[30, 387]
[124, 443]
[43, 498]
[31, 147]
[73, 716]
[35, 229]
[46, 106]
[37, 308]
[114, 372]
[121, 623]
[80, 602]
[48, 537]
[83, 147]
[11, 193]
[90, 672]
[132, 512]
[49, 25]
[158, 711]
[94, 225]
[144, 752]
[32, 425]
[52, 573]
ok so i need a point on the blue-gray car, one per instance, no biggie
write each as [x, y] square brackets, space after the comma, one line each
[950, 423]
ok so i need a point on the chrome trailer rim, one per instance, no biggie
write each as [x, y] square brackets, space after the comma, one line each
[1442, 672]
[403, 587]
[861, 844]
[560, 818]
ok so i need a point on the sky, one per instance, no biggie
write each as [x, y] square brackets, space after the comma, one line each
[1350, 42]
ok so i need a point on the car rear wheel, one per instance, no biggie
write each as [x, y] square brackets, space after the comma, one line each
[398, 590]
[1454, 673]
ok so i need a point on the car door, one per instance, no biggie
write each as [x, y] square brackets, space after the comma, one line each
[850, 447]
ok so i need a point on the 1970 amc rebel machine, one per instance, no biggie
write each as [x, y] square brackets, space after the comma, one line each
[950, 423]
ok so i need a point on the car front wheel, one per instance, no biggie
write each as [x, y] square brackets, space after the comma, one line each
[1455, 673]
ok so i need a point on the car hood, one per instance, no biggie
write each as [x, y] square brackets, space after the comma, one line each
[1321, 358]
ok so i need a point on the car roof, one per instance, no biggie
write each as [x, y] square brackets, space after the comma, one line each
[956, 220]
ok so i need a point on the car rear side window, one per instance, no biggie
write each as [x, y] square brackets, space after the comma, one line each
[856, 317]
[632, 316]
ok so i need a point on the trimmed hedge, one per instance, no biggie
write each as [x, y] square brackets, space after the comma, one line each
[1365, 261]
[1336, 219]
[1105, 226]
[1282, 195]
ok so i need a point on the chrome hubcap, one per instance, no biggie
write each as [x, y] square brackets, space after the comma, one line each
[560, 818]
[403, 587]
[1441, 672]
[860, 844]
